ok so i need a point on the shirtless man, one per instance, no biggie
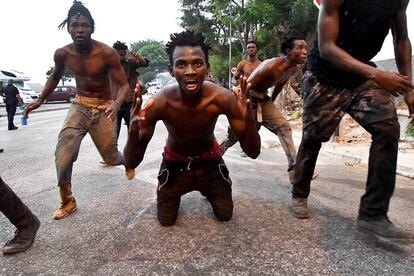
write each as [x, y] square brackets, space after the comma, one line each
[192, 159]
[93, 111]
[244, 68]
[275, 72]
[247, 66]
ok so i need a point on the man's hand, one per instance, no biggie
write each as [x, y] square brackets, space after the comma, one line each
[242, 95]
[137, 113]
[110, 109]
[32, 106]
[394, 83]
[409, 100]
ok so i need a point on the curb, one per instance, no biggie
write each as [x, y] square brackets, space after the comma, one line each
[348, 157]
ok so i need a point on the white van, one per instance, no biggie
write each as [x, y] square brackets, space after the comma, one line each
[27, 94]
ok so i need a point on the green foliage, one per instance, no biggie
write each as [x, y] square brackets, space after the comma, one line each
[154, 51]
[67, 74]
[219, 67]
[410, 130]
[266, 21]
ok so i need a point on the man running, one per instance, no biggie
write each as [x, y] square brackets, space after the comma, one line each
[342, 79]
[275, 72]
[192, 159]
[93, 111]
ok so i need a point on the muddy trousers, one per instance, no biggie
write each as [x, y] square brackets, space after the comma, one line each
[13, 208]
[373, 108]
[79, 121]
[273, 120]
[209, 177]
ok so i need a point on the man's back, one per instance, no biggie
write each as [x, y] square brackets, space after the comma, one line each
[11, 92]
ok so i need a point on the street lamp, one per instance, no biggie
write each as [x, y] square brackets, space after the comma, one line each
[230, 84]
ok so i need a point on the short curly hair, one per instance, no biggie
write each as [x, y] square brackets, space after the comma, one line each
[187, 38]
[288, 43]
[118, 45]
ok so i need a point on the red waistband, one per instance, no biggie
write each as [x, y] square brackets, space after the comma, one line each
[214, 153]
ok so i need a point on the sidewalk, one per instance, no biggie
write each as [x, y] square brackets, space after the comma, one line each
[354, 154]
[43, 108]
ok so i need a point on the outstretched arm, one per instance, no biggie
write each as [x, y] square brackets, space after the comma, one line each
[242, 122]
[328, 30]
[140, 131]
[138, 60]
[51, 82]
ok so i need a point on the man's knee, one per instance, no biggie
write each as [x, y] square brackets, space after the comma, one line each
[166, 220]
[223, 209]
[385, 130]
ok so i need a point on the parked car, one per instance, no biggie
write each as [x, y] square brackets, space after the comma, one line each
[62, 93]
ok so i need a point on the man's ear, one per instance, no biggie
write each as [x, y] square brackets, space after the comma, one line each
[171, 71]
[208, 66]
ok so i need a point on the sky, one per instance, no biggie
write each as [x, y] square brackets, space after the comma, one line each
[30, 35]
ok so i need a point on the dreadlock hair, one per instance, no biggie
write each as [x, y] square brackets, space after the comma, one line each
[118, 45]
[77, 9]
[187, 38]
[288, 44]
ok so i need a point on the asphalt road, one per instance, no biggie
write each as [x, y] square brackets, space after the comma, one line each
[115, 230]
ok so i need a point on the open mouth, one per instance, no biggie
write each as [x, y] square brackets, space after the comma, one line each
[191, 84]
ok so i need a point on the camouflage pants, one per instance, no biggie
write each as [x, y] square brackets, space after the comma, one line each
[273, 120]
[373, 108]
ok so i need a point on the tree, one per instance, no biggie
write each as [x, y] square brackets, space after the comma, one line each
[67, 74]
[266, 21]
[154, 51]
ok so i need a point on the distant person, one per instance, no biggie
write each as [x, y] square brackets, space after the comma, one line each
[93, 111]
[275, 72]
[130, 65]
[342, 79]
[244, 68]
[20, 216]
[192, 159]
[12, 98]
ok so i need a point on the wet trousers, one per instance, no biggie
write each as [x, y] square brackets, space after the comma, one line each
[79, 121]
[273, 120]
[373, 108]
[177, 178]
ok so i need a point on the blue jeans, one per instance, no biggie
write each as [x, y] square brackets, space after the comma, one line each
[79, 121]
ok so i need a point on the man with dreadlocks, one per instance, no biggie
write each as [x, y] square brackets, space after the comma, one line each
[192, 159]
[93, 111]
